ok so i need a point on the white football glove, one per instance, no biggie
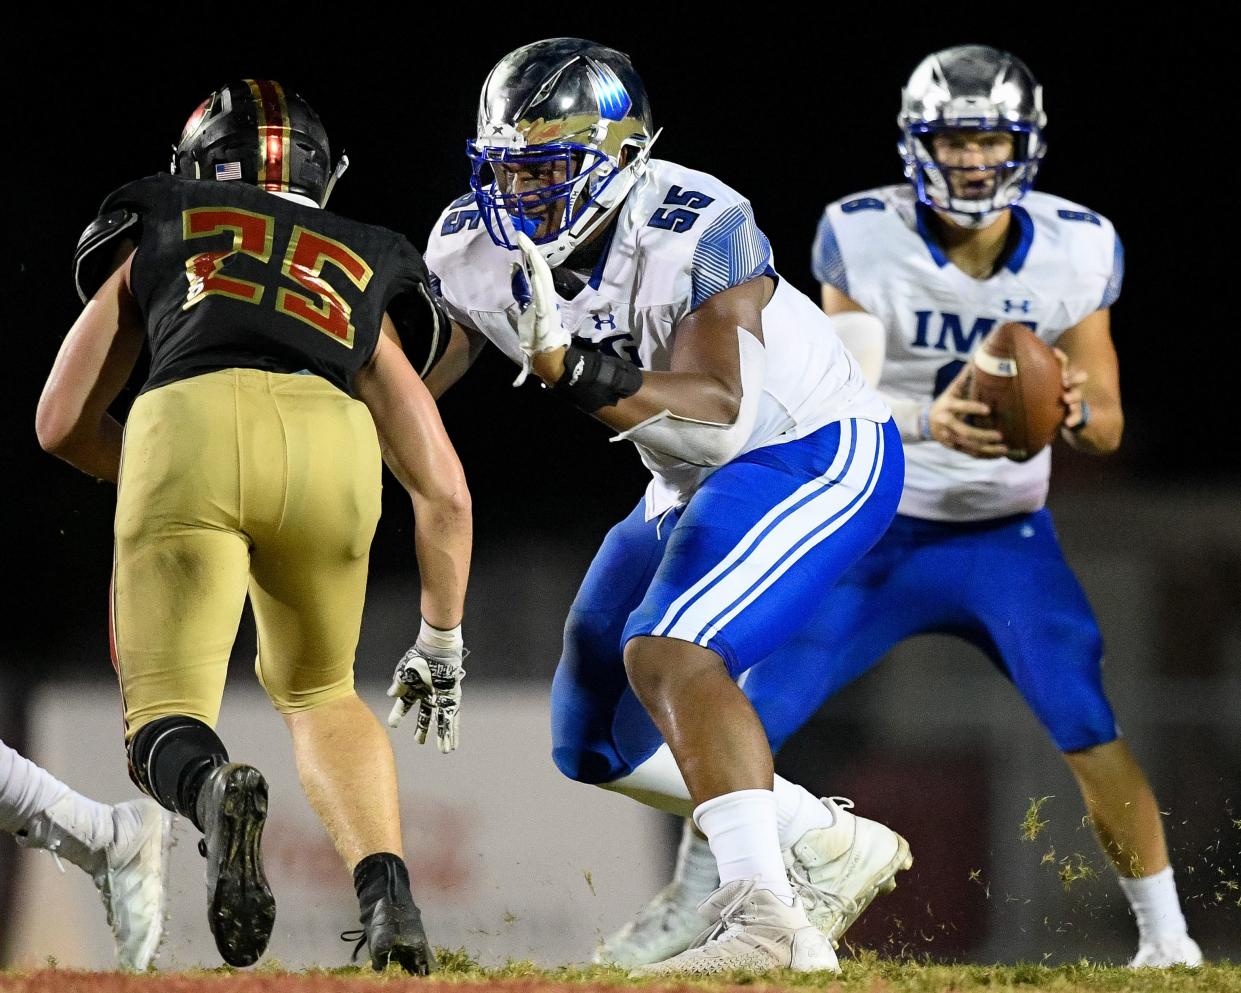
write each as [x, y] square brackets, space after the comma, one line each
[538, 326]
[430, 676]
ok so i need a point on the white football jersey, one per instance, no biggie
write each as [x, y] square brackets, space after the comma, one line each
[680, 237]
[875, 248]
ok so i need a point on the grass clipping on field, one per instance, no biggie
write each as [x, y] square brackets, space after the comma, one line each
[866, 974]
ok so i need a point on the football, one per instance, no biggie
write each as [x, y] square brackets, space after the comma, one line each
[1018, 377]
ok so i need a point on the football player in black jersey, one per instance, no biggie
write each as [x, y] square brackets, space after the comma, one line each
[251, 463]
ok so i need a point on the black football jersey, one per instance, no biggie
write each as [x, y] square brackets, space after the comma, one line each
[230, 276]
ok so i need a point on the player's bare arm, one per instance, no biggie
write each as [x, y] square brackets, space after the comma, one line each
[464, 347]
[1092, 385]
[92, 367]
[418, 451]
[704, 381]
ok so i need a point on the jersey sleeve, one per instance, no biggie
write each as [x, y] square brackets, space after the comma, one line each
[854, 245]
[446, 248]
[731, 251]
[1111, 291]
[1093, 258]
[415, 308]
[119, 222]
[141, 196]
[827, 261]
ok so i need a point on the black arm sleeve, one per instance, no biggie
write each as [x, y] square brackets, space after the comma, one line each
[417, 311]
[99, 249]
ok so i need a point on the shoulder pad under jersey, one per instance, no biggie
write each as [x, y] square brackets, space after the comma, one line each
[98, 251]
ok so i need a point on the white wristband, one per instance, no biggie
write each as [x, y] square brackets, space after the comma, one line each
[433, 637]
[911, 418]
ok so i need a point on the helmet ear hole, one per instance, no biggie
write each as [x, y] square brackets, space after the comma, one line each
[312, 152]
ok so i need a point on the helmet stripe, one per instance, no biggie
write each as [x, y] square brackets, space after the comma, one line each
[273, 126]
[285, 130]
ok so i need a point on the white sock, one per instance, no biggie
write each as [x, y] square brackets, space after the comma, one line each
[741, 829]
[799, 811]
[1155, 905]
[25, 790]
[696, 872]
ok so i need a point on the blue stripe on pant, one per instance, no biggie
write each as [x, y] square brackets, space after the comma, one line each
[739, 570]
[1002, 585]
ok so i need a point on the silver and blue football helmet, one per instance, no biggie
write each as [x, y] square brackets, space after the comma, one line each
[570, 106]
[971, 88]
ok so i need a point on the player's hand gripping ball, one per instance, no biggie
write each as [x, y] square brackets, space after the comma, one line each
[429, 678]
[1022, 382]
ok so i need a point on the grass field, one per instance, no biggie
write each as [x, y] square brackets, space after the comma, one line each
[459, 975]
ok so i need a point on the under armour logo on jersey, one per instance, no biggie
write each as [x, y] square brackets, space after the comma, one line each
[1021, 305]
[604, 321]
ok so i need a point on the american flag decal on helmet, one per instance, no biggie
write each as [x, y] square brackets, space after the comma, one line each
[610, 94]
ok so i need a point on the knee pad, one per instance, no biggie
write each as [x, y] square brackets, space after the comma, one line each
[169, 757]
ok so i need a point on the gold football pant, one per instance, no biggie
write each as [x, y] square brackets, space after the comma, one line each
[236, 481]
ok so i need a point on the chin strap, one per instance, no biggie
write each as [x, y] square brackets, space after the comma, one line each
[341, 165]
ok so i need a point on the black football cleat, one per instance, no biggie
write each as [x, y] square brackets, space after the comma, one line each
[392, 927]
[241, 911]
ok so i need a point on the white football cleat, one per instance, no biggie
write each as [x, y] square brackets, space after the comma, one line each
[665, 926]
[755, 931]
[133, 884]
[1163, 952]
[127, 856]
[838, 871]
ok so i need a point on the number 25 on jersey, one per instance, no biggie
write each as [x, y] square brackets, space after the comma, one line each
[322, 308]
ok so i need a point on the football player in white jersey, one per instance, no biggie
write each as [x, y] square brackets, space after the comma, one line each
[644, 293]
[914, 276]
[124, 848]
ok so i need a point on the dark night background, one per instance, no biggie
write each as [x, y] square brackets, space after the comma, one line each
[792, 113]
[794, 109]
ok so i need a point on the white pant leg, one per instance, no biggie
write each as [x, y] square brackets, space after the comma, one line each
[25, 790]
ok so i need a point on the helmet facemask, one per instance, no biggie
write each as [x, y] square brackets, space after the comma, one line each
[946, 187]
[574, 188]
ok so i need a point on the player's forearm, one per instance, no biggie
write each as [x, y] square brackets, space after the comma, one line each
[693, 395]
[699, 396]
[96, 451]
[463, 348]
[443, 536]
[1103, 431]
[912, 417]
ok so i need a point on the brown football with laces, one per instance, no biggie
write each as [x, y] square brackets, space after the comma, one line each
[1019, 378]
